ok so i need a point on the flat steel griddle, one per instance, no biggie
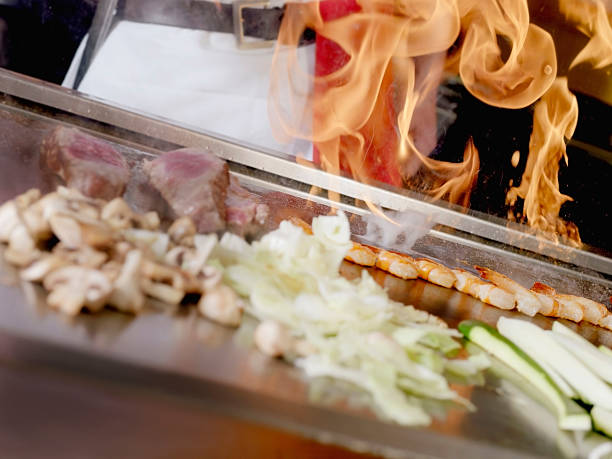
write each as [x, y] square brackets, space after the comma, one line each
[217, 367]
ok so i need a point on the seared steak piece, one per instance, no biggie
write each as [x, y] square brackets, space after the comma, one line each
[86, 163]
[193, 183]
[245, 210]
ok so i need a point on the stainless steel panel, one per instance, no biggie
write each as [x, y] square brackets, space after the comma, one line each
[215, 367]
[472, 223]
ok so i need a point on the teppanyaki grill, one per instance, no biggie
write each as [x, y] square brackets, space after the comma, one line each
[30, 120]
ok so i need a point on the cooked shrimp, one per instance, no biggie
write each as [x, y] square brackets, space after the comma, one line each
[361, 255]
[526, 301]
[435, 272]
[484, 291]
[563, 307]
[397, 264]
[606, 322]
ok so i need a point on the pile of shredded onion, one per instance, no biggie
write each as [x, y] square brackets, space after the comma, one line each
[399, 354]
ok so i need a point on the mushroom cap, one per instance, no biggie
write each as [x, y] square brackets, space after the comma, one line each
[273, 338]
[127, 295]
[118, 214]
[9, 219]
[181, 229]
[74, 287]
[221, 305]
[38, 270]
[76, 232]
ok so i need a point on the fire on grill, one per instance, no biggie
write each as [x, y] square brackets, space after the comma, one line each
[379, 65]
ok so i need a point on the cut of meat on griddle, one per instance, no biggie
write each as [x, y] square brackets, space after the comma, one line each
[194, 184]
[245, 212]
[86, 163]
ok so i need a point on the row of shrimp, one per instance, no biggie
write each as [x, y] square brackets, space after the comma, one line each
[491, 287]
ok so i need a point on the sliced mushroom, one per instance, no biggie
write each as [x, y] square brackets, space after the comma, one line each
[222, 305]
[9, 219]
[10, 212]
[273, 338]
[172, 276]
[112, 269]
[74, 195]
[75, 233]
[36, 217]
[155, 242]
[179, 256]
[182, 230]
[119, 215]
[163, 292]
[149, 221]
[38, 270]
[28, 198]
[126, 295]
[74, 287]
[83, 256]
[79, 204]
[22, 248]
[212, 277]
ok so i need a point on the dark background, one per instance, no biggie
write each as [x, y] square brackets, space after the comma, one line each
[40, 37]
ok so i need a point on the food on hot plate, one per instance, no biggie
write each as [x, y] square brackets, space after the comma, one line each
[399, 265]
[485, 291]
[569, 414]
[526, 301]
[362, 255]
[494, 288]
[194, 184]
[197, 184]
[592, 311]
[435, 272]
[86, 163]
[542, 344]
[334, 327]
[245, 212]
[602, 420]
[597, 361]
[89, 253]
[559, 362]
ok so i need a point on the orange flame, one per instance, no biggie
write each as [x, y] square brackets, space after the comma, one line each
[368, 104]
[366, 115]
[591, 19]
[555, 118]
[525, 74]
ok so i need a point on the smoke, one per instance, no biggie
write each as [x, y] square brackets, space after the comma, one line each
[399, 231]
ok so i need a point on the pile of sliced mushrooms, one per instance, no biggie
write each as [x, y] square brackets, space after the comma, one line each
[90, 253]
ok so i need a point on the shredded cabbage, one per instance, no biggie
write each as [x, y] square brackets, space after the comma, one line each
[393, 351]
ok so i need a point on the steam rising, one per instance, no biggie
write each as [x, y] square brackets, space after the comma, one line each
[400, 232]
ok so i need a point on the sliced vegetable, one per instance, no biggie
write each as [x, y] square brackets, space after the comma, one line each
[570, 415]
[567, 390]
[605, 349]
[602, 420]
[355, 331]
[535, 341]
[599, 362]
